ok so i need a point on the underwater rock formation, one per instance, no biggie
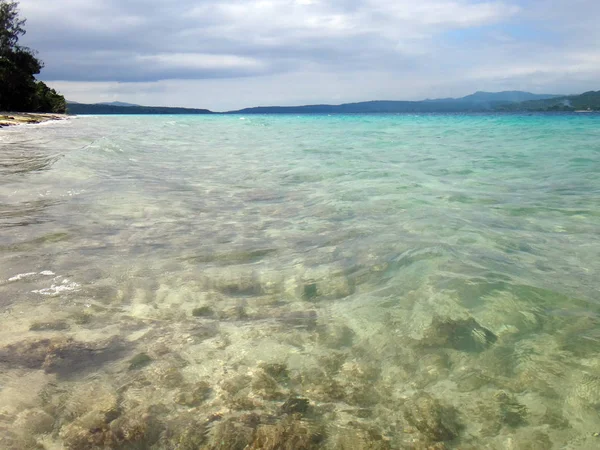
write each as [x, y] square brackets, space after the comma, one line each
[136, 429]
[459, 334]
[230, 434]
[34, 421]
[62, 356]
[295, 405]
[193, 395]
[94, 398]
[288, 434]
[138, 361]
[316, 284]
[436, 421]
[357, 436]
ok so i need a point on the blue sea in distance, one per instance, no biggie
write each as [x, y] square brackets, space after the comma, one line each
[301, 282]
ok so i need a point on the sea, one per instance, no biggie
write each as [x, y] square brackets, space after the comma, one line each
[289, 282]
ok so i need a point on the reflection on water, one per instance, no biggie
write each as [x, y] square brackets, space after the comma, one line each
[360, 282]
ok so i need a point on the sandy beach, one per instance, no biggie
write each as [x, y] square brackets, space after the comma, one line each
[9, 119]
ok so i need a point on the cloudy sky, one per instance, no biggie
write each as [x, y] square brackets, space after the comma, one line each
[226, 54]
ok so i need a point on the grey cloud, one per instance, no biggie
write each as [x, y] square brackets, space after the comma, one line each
[379, 48]
[116, 40]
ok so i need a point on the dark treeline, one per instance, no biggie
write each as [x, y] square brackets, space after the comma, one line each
[82, 108]
[19, 90]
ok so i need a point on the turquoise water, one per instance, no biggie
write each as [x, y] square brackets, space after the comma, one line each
[343, 282]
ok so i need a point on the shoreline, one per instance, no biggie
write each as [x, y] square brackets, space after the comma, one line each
[8, 119]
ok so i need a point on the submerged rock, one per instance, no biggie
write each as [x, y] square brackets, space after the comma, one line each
[468, 380]
[62, 356]
[579, 336]
[237, 390]
[460, 334]
[10, 440]
[193, 395]
[357, 436]
[234, 282]
[336, 336]
[432, 367]
[235, 384]
[288, 434]
[265, 386]
[94, 399]
[278, 371]
[586, 386]
[166, 374]
[527, 439]
[313, 285]
[185, 436]
[435, 420]
[511, 412]
[230, 435]
[498, 410]
[34, 421]
[203, 311]
[237, 312]
[138, 361]
[57, 325]
[295, 405]
[505, 314]
[301, 320]
[136, 429]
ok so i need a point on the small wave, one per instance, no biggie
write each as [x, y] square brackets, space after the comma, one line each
[22, 276]
[65, 285]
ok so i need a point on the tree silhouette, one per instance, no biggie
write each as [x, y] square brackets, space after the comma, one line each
[19, 90]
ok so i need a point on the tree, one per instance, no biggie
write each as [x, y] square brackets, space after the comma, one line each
[11, 27]
[19, 90]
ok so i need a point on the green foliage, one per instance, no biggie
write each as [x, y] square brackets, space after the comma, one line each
[11, 27]
[19, 90]
[48, 100]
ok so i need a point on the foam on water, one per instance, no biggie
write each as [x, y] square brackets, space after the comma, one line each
[343, 282]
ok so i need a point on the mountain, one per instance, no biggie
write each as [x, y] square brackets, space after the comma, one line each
[71, 102]
[477, 102]
[504, 96]
[582, 102]
[99, 108]
[117, 104]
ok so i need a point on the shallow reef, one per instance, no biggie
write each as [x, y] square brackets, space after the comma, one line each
[249, 360]
[63, 356]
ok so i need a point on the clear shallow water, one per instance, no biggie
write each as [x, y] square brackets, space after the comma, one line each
[345, 282]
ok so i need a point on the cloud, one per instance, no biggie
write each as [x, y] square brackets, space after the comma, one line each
[456, 45]
[262, 35]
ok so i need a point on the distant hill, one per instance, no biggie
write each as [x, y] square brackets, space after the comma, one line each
[99, 108]
[477, 102]
[504, 96]
[586, 101]
[117, 104]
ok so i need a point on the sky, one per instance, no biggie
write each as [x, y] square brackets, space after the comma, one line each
[229, 54]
